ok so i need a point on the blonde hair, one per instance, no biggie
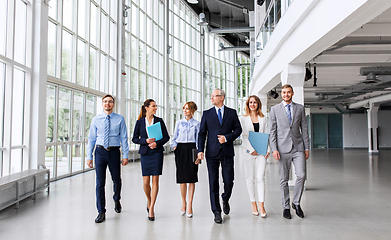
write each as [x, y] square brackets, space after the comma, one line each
[259, 108]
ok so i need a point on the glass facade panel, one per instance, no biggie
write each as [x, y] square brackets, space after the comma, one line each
[78, 114]
[64, 115]
[67, 16]
[80, 62]
[67, 45]
[3, 26]
[20, 32]
[52, 48]
[63, 159]
[77, 157]
[18, 95]
[81, 18]
[50, 113]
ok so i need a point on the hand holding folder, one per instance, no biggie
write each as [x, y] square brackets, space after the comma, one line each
[155, 131]
[259, 142]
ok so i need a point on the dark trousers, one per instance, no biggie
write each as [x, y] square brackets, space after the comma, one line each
[113, 160]
[227, 166]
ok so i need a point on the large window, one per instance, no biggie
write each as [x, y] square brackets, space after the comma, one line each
[15, 79]
[82, 67]
[144, 58]
[184, 64]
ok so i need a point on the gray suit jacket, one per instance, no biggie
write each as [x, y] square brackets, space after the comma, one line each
[284, 135]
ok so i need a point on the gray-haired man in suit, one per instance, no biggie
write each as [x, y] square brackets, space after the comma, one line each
[290, 143]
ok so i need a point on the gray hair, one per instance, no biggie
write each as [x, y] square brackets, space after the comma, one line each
[221, 92]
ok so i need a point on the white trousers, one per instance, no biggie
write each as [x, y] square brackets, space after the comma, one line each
[255, 167]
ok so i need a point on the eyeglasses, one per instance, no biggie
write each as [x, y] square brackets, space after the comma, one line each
[110, 101]
[213, 96]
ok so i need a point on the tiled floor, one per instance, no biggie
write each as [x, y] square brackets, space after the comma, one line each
[347, 197]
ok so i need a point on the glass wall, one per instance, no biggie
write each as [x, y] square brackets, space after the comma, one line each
[184, 61]
[15, 79]
[219, 70]
[82, 66]
[274, 10]
[144, 58]
[243, 82]
[82, 50]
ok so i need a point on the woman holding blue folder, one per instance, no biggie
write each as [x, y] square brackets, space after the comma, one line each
[151, 151]
[184, 141]
[254, 163]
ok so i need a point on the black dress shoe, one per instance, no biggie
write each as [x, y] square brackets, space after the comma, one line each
[299, 212]
[287, 214]
[151, 218]
[118, 207]
[218, 218]
[100, 218]
[226, 208]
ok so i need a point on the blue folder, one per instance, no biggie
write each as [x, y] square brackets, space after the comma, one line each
[259, 141]
[155, 131]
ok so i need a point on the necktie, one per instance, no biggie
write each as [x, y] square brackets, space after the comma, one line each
[107, 132]
[219, 115]
[288, 113]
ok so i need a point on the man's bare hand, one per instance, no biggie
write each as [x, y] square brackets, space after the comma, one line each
[276, 155]
[200, 155]
[150, 140]
[125, 161]
[89, 163]
[307, 154]
[221, 138]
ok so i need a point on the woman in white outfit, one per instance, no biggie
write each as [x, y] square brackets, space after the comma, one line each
[254, 163]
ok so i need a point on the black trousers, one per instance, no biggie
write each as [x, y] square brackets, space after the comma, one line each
[103, 159]
[227, 166]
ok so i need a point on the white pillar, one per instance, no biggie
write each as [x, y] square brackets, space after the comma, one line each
[293, 74]
[38, 85]
[372, 129]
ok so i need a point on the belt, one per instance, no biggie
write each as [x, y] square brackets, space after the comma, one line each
[109, 148]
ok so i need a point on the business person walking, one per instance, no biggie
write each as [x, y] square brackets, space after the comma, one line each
[184, 141]
[254, 163]
[107, 132]
[151, 152]
[289, 142]
[220, 126]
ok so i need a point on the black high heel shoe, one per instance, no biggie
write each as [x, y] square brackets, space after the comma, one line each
[151, 218]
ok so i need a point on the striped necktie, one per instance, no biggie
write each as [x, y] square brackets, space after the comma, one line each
[107, 131]
[220, 118]
[288, 113]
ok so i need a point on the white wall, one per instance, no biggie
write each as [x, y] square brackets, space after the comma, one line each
[384, 118]
[355, 131]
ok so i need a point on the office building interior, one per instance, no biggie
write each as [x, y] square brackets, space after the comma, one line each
[58, 58]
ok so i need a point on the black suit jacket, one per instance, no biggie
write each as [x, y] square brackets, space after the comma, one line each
[140, 136]
[210, 127]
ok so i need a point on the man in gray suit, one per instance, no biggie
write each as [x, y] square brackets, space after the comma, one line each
[290, 143]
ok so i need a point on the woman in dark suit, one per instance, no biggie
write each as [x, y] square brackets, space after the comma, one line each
[151, 152]
[184, 141]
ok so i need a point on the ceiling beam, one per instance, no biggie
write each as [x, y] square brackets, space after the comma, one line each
[368, 102]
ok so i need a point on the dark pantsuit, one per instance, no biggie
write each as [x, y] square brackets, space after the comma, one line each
[103, 159]
[227, 165]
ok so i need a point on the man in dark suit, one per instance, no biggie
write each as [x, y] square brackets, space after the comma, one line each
[289, 142]
[221, 126]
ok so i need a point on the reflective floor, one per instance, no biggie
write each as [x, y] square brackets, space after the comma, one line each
[347, 197]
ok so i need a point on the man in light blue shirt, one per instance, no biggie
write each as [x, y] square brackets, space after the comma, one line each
[108, 133]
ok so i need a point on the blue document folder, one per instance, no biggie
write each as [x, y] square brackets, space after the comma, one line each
[259, 141]
[155, 131]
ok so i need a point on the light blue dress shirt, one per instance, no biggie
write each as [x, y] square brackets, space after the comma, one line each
[222, 111]
[186, 132]
[118, 134]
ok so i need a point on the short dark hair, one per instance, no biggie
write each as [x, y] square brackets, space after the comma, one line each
[108, 95]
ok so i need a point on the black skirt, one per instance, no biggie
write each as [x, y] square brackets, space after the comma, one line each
[152, 163]
[186, 169]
